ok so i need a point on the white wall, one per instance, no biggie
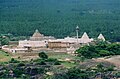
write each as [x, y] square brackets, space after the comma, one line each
[32, 43]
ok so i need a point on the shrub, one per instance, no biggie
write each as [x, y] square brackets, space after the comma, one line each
[104, 53]
[41, 70]
[111, 68]
[14, 61]
[51, 60]
[57, 63]
[41, 63]
[21, 64]
[18, 72]
[42, 55]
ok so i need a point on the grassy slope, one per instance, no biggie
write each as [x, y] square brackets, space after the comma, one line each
[4, 57]
[62, 57]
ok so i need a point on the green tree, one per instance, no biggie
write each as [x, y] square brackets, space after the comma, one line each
[18, 72]
[75, 73]
[100, 68]
[99, 50]
[4, 41]
[104, 53]
[82, 58]
[43, 55]
[14, 61]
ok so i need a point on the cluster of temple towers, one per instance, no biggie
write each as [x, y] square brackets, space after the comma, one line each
[39, 40]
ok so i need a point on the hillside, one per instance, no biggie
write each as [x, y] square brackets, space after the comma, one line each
[60, 17]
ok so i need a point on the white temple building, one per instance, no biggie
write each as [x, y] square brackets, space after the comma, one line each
[101, 37]
[85, 38]
[29, 43]
[39, 40]
[36, 41]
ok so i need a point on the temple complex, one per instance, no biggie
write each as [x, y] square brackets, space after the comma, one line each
[38, 42]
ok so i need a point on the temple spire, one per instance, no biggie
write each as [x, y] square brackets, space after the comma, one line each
[36, 36]
[85, 36]
[37, 33]
[101, 37]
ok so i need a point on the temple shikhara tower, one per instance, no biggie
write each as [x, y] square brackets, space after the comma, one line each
[38, 40]
[85, 38]
[37, 36]
[101, 37]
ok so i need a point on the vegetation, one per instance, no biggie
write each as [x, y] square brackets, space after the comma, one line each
[14, 60]
[4, 57]
[52, 67]
[4, 40]
[27, 70]
[100, 50]
[60, 17]
[99, 71]
[43, 55]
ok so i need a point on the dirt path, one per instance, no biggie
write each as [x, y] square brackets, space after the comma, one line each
[115, 60]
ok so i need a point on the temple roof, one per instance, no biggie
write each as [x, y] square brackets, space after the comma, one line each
[101, 37]
[85, 36]
[37, 34]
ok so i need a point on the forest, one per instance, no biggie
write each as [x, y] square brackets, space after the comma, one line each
[59, 18]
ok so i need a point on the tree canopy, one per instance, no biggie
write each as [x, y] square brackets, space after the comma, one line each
[43, 55]
[99, 50]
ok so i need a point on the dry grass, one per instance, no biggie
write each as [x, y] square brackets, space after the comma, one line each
[115, 60]
[4, 57]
